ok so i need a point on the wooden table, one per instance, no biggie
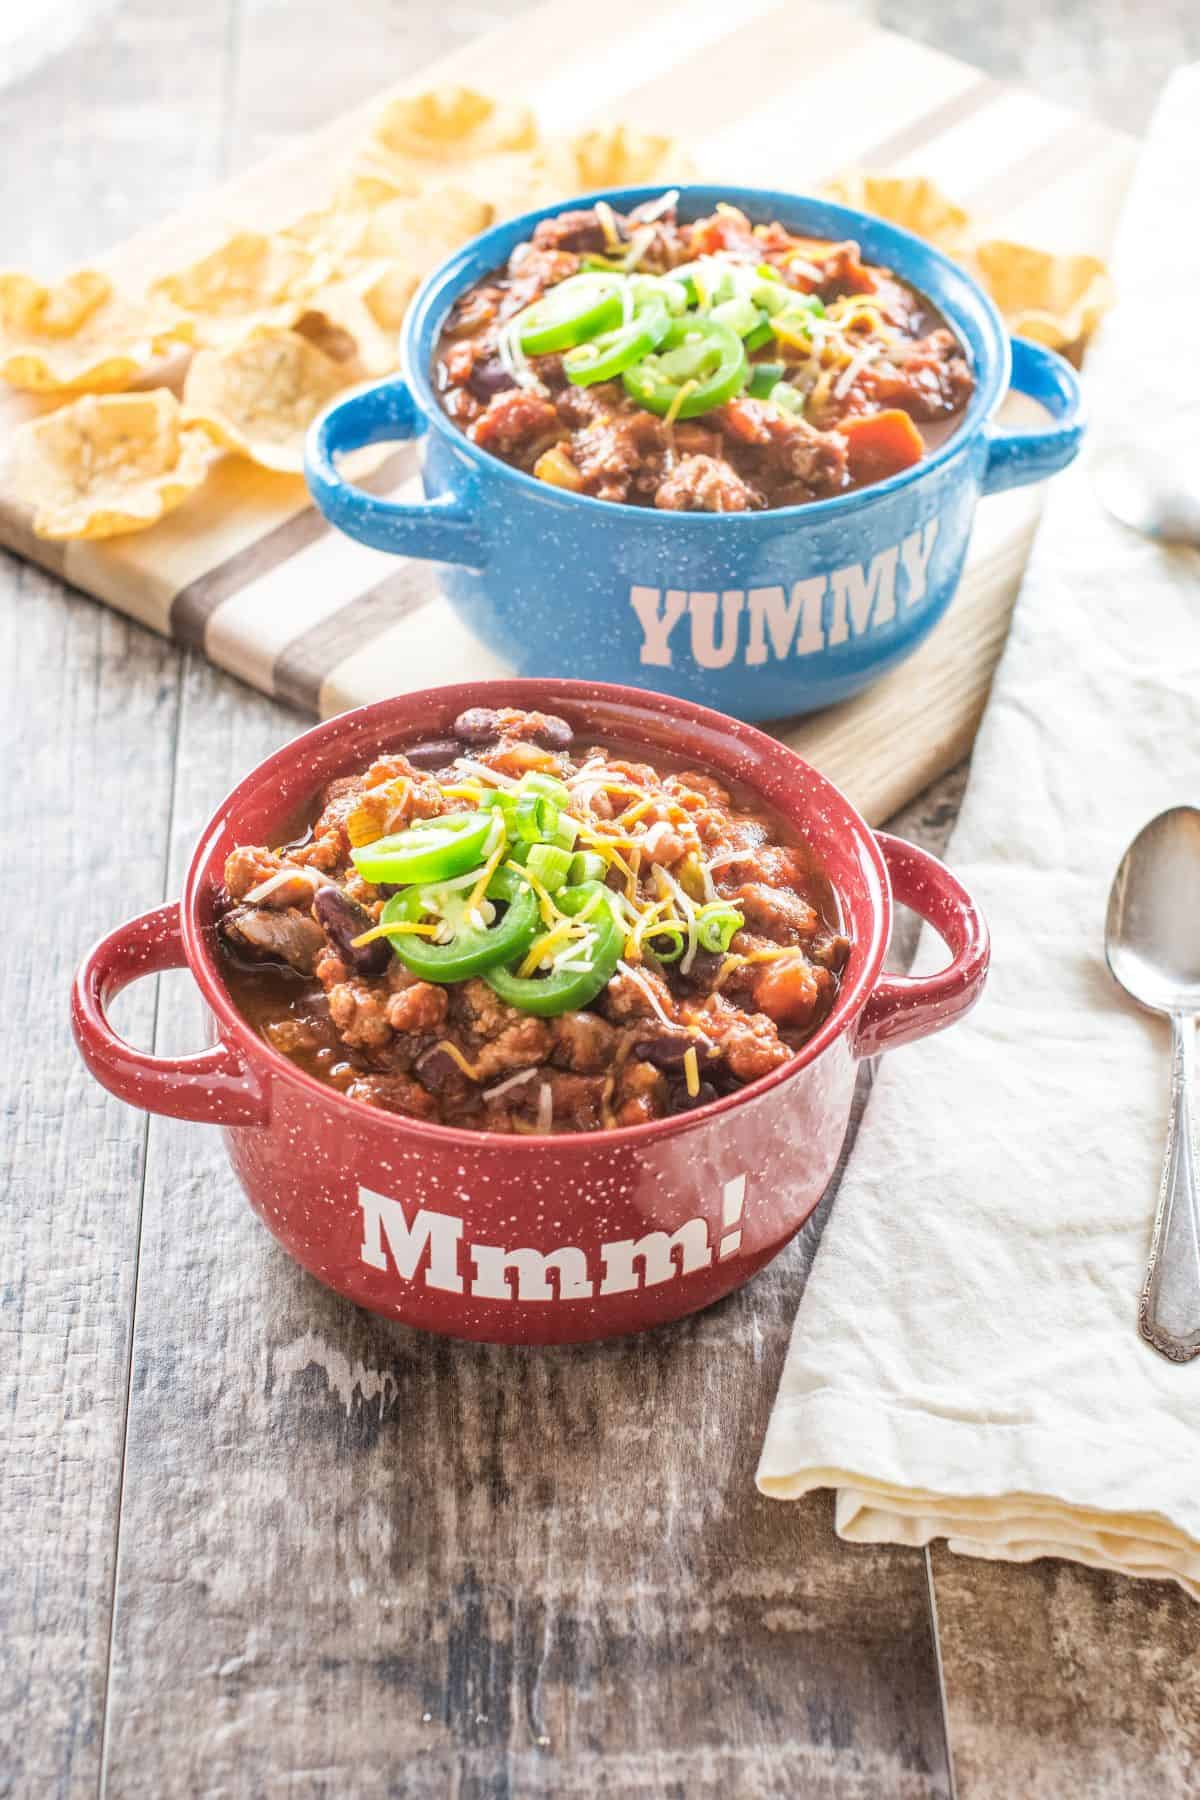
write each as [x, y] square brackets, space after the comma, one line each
[256, 1543]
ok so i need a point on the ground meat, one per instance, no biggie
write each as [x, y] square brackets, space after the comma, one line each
[531, 272]
[642, 1094]
[578, 1100]
[580, 231]
[779, 912]
[843, 272]
[251, 865]
[359, 1010]
[931, 381]
[790, 447]
[618, 452]
[625, 997]
[579, 406]
[706, 484]
[290, 936]
[420, 1007]
[583, 1041]
[395, 1093]
[518, 1046]
[749, 1042]
[513, 422]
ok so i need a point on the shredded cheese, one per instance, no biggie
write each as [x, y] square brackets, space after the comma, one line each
[640, 981]
[401, 928]
[280, 879]
[608, 225]
[485, 774]
[546, 946]
[682, 393]
[691, 1070]
[456, 1056]
[545, 1111]
[549, 910]
[489, 869]
[510, 1081]
[687, 907]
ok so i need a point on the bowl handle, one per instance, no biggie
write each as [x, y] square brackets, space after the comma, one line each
[905, 1007]
[213, 1087]
[441, 529]
[1015, 458]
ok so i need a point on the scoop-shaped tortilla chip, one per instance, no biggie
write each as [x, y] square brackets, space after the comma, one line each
[253, 281]
[260, 398]
[1056, 300]
[453, 122]
[107, 464]
[910, 201]
[617, 156]
[80, 333]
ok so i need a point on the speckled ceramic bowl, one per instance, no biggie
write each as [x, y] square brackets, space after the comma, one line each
[528, 1239]
[761, 614]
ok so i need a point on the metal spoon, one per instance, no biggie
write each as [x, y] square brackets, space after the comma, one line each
[1152, 943]
[1155, 490]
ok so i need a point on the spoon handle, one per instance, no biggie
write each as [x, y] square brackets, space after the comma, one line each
[1169, 1310]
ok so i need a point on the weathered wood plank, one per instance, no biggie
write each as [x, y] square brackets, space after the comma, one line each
[88, 714]
[1065, 1681]
[84, 833]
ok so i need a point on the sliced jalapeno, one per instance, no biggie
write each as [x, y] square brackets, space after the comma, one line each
[601, 358]
[475, 949]
[566, 990]
[569, 314]
[703, 356]
[432, 851]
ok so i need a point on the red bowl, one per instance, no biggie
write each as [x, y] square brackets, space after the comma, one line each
[524, 1239]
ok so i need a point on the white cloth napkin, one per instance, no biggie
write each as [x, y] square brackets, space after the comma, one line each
[965, 1363]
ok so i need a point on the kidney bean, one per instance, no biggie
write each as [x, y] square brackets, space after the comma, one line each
[433, 753]
[489, 377]
[478, 725]
[553, 733]
[484, 725]
[343, 919]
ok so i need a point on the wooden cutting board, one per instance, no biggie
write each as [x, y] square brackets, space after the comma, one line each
[781, 95]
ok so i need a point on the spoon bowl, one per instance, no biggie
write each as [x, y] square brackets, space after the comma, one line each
[1151, 489]
[1152, 932]
[1152, 943]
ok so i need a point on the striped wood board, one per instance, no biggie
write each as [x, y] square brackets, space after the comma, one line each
[780, 95]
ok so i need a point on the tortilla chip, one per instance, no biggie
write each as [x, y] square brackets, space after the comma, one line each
[1056, 300]
[342, 325]
[80, 333]
[910, 201]
[252, 282]
[107, 464]
[402, 241]
[616, 156]
[452, 123]
[260, 398]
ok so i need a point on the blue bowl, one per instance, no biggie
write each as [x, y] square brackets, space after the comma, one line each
[756, 614]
